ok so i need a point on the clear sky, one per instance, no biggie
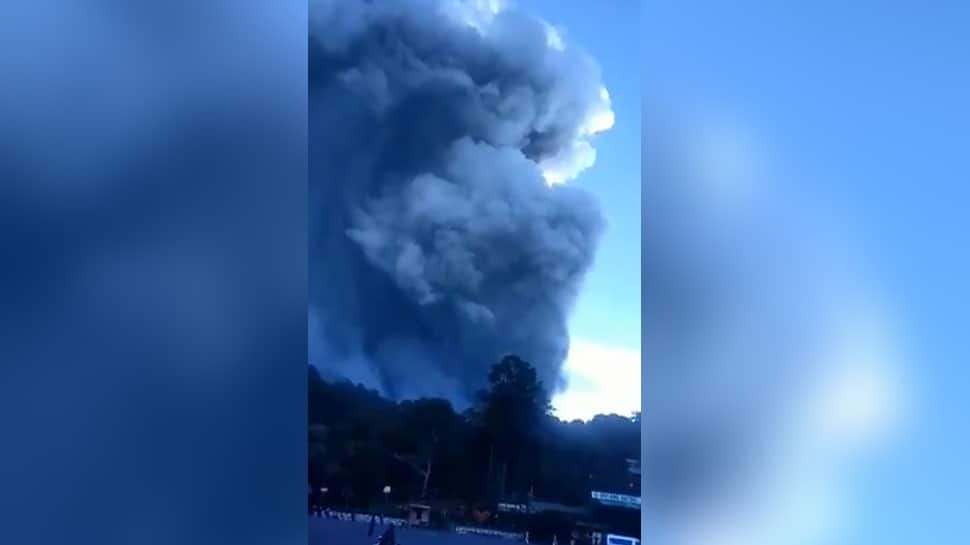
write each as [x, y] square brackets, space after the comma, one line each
[604, 364]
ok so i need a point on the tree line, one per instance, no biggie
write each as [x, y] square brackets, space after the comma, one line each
[507, 447]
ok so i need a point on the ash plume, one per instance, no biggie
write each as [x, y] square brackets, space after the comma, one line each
[442, 234]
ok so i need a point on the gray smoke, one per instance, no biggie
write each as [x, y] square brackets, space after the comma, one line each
[441, 236]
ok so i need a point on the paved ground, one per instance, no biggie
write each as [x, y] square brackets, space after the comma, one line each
[337, 532]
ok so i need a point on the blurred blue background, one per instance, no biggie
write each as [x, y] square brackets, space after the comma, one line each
[152, 386]
[804, 271]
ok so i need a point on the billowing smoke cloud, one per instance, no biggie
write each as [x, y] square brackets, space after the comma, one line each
[768, 367]
[442, 235]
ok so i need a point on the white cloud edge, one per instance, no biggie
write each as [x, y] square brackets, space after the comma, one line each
[603, 379]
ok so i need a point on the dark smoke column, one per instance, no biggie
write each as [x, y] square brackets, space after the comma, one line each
[443, 234]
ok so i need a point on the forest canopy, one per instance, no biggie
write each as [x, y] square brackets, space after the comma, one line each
[507, 447]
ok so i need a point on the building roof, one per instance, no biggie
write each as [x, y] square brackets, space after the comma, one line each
[540, 506]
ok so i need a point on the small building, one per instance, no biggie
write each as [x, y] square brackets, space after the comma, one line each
[419, 515]
[619, 514]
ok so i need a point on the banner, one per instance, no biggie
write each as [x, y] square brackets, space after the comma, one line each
[487, 532]
[616, 500]
[364, 517]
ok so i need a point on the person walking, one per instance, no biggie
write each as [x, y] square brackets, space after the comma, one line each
[387, 538]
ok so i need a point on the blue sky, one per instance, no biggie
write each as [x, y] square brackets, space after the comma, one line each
[605, 325]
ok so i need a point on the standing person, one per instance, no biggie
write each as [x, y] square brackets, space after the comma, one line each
[373, 519]
[387, 538]
[316, 500]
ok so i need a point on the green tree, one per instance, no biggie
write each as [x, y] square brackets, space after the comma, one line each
[426, 434]
[360, 441]
[512, 412]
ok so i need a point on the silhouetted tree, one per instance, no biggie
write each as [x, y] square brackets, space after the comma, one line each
[511, 412]
[507, 444]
